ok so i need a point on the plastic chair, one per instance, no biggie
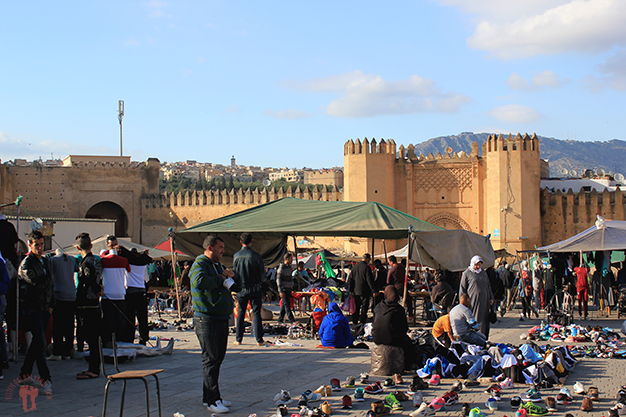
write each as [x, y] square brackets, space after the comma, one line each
[125, 376]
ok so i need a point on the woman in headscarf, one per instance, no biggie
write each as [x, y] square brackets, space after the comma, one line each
[475, 283]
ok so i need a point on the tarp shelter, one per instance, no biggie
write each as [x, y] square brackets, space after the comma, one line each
[398, 253]
[603, 235]
[100, 243]
[165, 245]
[271, 223]
[309, 262]
[450, 249]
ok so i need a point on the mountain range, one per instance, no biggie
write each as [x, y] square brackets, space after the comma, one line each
[570, 155]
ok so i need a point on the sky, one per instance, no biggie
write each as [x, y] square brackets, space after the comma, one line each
[287, 83]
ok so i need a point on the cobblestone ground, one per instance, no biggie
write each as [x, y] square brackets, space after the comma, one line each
[252, 375]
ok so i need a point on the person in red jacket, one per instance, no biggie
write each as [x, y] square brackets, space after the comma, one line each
[582, 286]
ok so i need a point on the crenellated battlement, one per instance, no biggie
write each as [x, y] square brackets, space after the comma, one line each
[499, 143]
[369, 147]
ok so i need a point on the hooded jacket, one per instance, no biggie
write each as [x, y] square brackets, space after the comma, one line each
[335, 328]
[390, 326]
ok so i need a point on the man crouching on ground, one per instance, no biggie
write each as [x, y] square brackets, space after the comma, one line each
[211, 286]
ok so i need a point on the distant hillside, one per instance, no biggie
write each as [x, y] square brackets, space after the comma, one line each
[562, 154]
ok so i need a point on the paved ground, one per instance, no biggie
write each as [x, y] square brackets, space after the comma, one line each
[252, 375]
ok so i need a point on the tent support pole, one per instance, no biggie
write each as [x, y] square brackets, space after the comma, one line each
[295, 251]
[175, 277]
[385, 250]
[372, 249]
[406, 271]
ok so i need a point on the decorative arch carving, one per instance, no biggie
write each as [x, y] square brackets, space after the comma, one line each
[449, 221]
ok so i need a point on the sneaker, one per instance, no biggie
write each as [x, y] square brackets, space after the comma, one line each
[593, 394]
[397, 379]
[350, 382]
[532, 395]
[491, 404]
[54, 358]
[359, 394]
[587, 404]
[226, 402]
[312, 396]
[364, 377]
[323, 390]
[493, 388]
[374, 388]
[380, 408]
[551, 404]
[401, 396]
[325, 407]
[471, 383]
[437, 403]
[457, 386]
[515, 401]
[283, 397]
[303, 401]
[466, 409]
[535, 410]
[423, 411]
[219, 408]
[236, 343]
[346, 402]
[393, 403]
[418, 398]
[281, 411]
[46, 388]
[434, 380]
[418, 384]
[579, 388]
[451, 398]
[389, 382]
[475, 412]
[335, 385]
[619, 409]
[564, 397]
[507, 384]
[521, 412]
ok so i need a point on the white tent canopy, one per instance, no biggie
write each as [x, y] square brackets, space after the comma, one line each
[100, 243]
[398, 253]
[604, 235]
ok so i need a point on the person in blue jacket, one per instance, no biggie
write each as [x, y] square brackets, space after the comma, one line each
[335, 328]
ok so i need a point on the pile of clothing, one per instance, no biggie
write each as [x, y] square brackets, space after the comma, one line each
[528, 363]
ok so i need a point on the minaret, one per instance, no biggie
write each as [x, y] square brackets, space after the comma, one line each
[232, 162]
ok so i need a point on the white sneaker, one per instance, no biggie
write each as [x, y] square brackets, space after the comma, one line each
[218, 407]
[507, 384]
[579, 388]
[46, 388]
[418, 398]
[423, 411]
[226, 403]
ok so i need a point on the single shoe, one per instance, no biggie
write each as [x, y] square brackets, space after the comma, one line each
[401, 396]
[389, 382]
[380, 408]
[312, 396]
[507, 384]
[579, 388]
[283, 397]
[621, 396]
[491, 404]
[451, 398]
[521, 412]
[54, 358]
[494, 392]
[323, 390]
[475, 412]
[393, 403]
[364, 378]
[261, 343]
[397, 379]
[236, 343]
[374, 388]
[359, 394]
[46, 388]
[335, 385]
[423, 411]
[551, 403]
[457, 386]
[303, 401]
[326, 409]
[437, 403]
[434, 380]
[471, 383]
[418, 384]
[466, 409]
[564, 397]
[418, 398]
[532, 395]
[346, 402]
[593, 394]
[515, 401]
[535, 410]
[281, 411]
[619, 409]
[613, 412]
[587, 404]
[350, 382]
[220, 408]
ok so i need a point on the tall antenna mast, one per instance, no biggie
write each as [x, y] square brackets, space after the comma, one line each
[120, 115]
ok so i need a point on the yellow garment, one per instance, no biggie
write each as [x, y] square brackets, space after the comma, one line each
[441, 326]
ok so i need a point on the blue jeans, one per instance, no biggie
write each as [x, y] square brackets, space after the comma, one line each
[256, 301]
[285, 308]
[36, 322]
[213, 337]
[474, 338]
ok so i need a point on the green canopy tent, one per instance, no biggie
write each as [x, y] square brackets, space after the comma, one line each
[271, 224]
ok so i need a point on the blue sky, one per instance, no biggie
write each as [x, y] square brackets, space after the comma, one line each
[286, 83]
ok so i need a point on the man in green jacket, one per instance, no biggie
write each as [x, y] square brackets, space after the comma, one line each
[211, 286]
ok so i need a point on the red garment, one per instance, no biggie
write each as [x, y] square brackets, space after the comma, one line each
[581, 278]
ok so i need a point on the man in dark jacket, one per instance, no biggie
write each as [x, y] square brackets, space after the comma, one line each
[362, 287]
[390, 326]
[442, 294]
[248, 264]
[36, 297]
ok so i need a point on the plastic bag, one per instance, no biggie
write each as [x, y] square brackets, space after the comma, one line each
[349, 305]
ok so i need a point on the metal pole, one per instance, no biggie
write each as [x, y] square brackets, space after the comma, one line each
[175, 277]
[120, 115]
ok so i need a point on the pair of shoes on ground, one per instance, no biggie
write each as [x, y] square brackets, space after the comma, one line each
[219, 406]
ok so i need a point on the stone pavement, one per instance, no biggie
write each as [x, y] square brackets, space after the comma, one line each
[252, 375]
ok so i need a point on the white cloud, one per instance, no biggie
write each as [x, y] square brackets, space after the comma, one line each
[186, 72]
[131, 42]
[515, 113]
[539, 81]
[32, 149]
[232, 109]
[513, 29]
[289, 114]
[368, 95]
[155, 8]
[614, 74]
